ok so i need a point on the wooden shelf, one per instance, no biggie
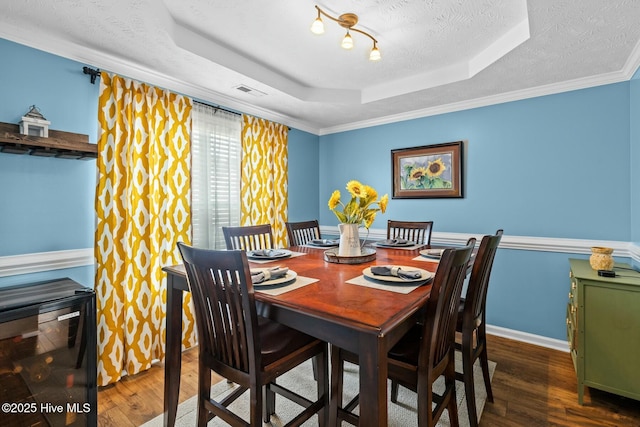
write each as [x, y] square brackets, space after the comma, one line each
[64, 145]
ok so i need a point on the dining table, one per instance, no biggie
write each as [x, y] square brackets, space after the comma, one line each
[334, 302]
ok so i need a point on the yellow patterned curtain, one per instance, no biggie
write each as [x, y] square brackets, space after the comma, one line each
[142, 209]
[264, 187]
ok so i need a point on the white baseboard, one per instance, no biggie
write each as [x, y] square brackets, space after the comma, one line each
[539, 340]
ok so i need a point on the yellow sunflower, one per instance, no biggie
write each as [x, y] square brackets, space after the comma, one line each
[368, 220]
[334, 200]
[417, 173]
[435, 168]
[356, 189]
[383, 203]
[370, 192]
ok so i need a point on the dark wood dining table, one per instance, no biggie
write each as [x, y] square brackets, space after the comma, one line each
[363, 320]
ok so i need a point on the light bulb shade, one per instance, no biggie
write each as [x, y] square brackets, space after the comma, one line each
[318, 26]
[347, 41]
[374, 55]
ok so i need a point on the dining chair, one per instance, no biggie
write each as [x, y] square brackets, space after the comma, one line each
[424, 354]
[248, 237]
[302, 232]
[471, 323]
[416, 231]
[248, 350]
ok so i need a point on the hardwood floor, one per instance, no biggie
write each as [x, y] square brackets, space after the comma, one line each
[532, 386]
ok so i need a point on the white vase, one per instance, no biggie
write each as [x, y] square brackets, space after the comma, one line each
[349, 240]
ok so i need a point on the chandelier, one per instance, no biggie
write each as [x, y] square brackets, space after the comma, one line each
[348, 21]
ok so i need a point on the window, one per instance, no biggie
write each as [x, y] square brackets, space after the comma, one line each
[216, 152]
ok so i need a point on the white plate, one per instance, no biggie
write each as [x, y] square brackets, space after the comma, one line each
[277, 254]
[424, 275]
[324, 243]
[383, 244]
[289, 277]
[432, 253]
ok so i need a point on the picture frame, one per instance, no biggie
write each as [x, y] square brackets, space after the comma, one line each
[429, 171]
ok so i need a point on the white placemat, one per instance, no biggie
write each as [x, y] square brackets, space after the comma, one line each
[299, 282]
[400, 288]
[265, 261]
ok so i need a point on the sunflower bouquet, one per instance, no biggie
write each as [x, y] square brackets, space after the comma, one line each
[363, 206]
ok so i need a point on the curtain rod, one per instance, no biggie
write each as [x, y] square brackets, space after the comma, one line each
[93, 73]
[217, 107]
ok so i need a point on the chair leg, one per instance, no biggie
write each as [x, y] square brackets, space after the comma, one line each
[337, 368]
[204, 393]
[321, 363]
[469, 390]
[268, 403]
[484, 363]
[394, 391]
[452, 407]
[314, 364]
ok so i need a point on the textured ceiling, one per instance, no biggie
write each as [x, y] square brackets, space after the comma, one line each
[437, 55]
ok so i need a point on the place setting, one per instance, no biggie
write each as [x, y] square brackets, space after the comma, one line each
[397, 244]
[323, 243]
[395, 278]
[431, 255]
[277, 280]
[270, 255]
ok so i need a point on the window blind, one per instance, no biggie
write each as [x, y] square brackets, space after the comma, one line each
[216, 152]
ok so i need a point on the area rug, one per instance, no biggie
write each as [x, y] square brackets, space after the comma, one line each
[300, 379]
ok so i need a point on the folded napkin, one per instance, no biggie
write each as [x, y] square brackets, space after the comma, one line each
[267, 253]
[395, 242]
[259, 276]
[396, 271]
[324, 242]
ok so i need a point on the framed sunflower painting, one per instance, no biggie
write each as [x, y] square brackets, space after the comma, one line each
[430, 171]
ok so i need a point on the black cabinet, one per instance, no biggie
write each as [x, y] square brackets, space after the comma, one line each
[48, 355]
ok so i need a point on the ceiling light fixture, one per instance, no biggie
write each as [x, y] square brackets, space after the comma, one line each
[348, 21]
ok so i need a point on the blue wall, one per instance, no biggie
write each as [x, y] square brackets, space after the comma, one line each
[537, 167]
[635, 156]
[46, 204]
[303, 176]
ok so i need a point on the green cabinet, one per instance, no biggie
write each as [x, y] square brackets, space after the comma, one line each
[603, 329]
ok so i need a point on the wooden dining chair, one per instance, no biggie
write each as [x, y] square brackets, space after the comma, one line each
[416, 231]
[248, 350]
[424, 354]
[472, 323]
[302, 232]
[248, 237]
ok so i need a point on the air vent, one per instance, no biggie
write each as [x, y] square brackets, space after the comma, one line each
[249, 90]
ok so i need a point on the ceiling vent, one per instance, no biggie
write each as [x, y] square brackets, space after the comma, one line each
[250, 90]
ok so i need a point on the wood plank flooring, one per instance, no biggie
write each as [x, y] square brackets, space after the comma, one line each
[532, 386]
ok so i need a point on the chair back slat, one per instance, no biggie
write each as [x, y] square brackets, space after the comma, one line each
[415, 231]
[302, 232]
[442, 307]
[249, 237]
[476, 297]
[223, 299]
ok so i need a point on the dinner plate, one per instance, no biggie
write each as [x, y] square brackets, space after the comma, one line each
[273, 254]
[424, 275]
[384, 244]
[432, 253]
[324, 243]
[289, 277]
